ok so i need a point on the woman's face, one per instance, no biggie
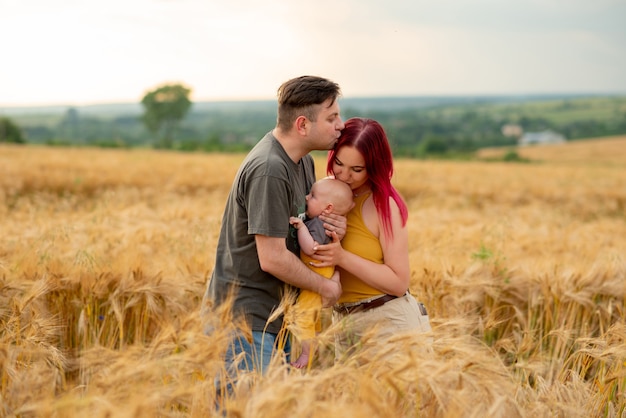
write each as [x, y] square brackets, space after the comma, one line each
[349, 167]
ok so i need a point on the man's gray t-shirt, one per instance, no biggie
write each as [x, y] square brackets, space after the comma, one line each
[268, 188]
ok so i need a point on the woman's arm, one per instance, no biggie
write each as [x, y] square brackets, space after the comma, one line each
[394, 275]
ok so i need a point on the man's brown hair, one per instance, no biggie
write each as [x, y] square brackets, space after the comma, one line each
[299, 96]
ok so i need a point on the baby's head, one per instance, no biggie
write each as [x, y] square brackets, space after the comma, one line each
[329, 194]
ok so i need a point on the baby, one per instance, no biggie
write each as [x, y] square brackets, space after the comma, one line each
[332, 196]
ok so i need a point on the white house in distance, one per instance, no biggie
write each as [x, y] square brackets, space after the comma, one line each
[541, 138]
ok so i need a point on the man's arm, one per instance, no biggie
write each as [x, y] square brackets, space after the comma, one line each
[278, 261]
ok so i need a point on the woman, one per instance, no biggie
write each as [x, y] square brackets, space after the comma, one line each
[373, 257]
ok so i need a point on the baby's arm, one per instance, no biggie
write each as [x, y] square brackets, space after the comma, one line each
[305, 239]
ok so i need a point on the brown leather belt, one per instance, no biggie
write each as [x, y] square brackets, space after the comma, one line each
[365, 306]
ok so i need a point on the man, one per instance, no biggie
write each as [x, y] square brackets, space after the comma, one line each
[257, 253]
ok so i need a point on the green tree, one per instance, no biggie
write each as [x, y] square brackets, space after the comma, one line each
[165, 107]
[433, 144]
[68, 127]
[10, 132]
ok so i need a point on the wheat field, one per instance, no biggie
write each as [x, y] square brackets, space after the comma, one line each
[105, 254]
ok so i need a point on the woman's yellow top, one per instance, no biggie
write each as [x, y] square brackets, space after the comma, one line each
[360, 241]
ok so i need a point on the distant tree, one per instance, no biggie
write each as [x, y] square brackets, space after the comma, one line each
[433, 145]
[10, 132]
[68, 128]
[165, 107]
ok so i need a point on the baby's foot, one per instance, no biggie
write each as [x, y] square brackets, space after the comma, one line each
[302, 362]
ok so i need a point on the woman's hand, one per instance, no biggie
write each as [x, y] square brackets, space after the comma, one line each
[334, 223]
[328, 254]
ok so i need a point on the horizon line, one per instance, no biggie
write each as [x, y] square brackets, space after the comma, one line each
[354, 97]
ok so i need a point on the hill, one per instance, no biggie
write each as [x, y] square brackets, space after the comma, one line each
[416, 126]
[389, 103]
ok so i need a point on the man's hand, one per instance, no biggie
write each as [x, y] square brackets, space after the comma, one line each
[334, 223]
[277, 260]
[331, 291]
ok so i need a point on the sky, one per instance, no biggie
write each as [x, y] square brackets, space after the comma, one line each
[77, 52]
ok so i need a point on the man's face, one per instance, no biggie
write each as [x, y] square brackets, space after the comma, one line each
[325, 131]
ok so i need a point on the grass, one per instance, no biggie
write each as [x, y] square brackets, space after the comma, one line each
[106, 253]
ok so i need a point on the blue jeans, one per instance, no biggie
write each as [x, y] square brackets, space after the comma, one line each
[243, 356]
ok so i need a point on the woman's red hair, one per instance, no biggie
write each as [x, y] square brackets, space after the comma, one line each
[368, 137]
